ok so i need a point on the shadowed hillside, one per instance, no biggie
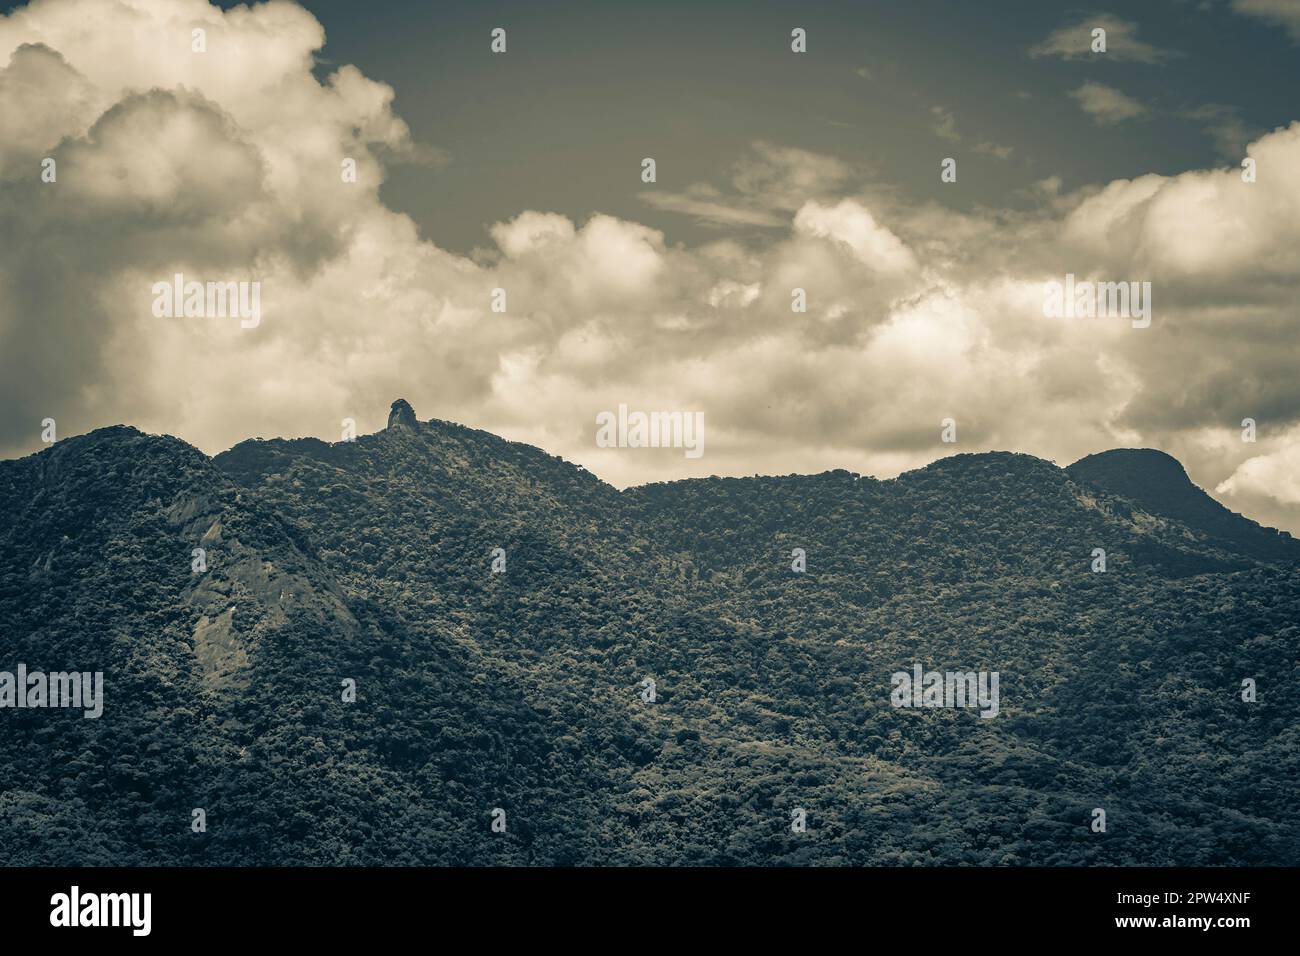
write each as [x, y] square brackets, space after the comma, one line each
[1159, 484]
[500, 609]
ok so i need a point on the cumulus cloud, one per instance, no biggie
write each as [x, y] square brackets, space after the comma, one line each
[1265, 485]
[229, 169]
[531, 232]
[1273, 475]
[852, 225]
[42, 100]
[1217, 237]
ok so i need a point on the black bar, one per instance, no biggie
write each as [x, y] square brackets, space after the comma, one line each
[332, 905]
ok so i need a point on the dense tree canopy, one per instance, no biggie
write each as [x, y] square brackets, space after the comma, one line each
[372, 561]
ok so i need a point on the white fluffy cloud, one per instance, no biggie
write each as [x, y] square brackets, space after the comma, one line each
[1273, 475]
[225, 166]
[1266, 485]
[851, 224]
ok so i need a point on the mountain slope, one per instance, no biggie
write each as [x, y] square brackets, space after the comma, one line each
[520, 687]
[223, 689]
[1158, 483]
[986, 561]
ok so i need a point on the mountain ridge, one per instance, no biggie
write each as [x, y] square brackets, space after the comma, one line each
[1097, 469]
[499, 611]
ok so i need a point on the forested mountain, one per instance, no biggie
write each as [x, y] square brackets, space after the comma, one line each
[1157, 482]
[512, 679]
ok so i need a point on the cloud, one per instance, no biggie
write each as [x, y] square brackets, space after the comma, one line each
[532, 232]
[944, 126]
[994, 150]
[1274, 475]
[852, 225]
[765, 187]
[42, 100]
[710, 207]
[1225, 127]
[1074, 42]
[915, 312]
[1217, 238]
[1105, 104]
[1283, 13]
[223, 165]
[108, 174]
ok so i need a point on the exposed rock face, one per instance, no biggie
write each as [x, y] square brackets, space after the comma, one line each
[402, 414]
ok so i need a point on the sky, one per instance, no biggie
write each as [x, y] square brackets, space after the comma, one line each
[775, 170]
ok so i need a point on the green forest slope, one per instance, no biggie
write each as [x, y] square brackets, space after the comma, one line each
[372, 561]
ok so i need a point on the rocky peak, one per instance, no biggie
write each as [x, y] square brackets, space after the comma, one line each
[402, 414]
